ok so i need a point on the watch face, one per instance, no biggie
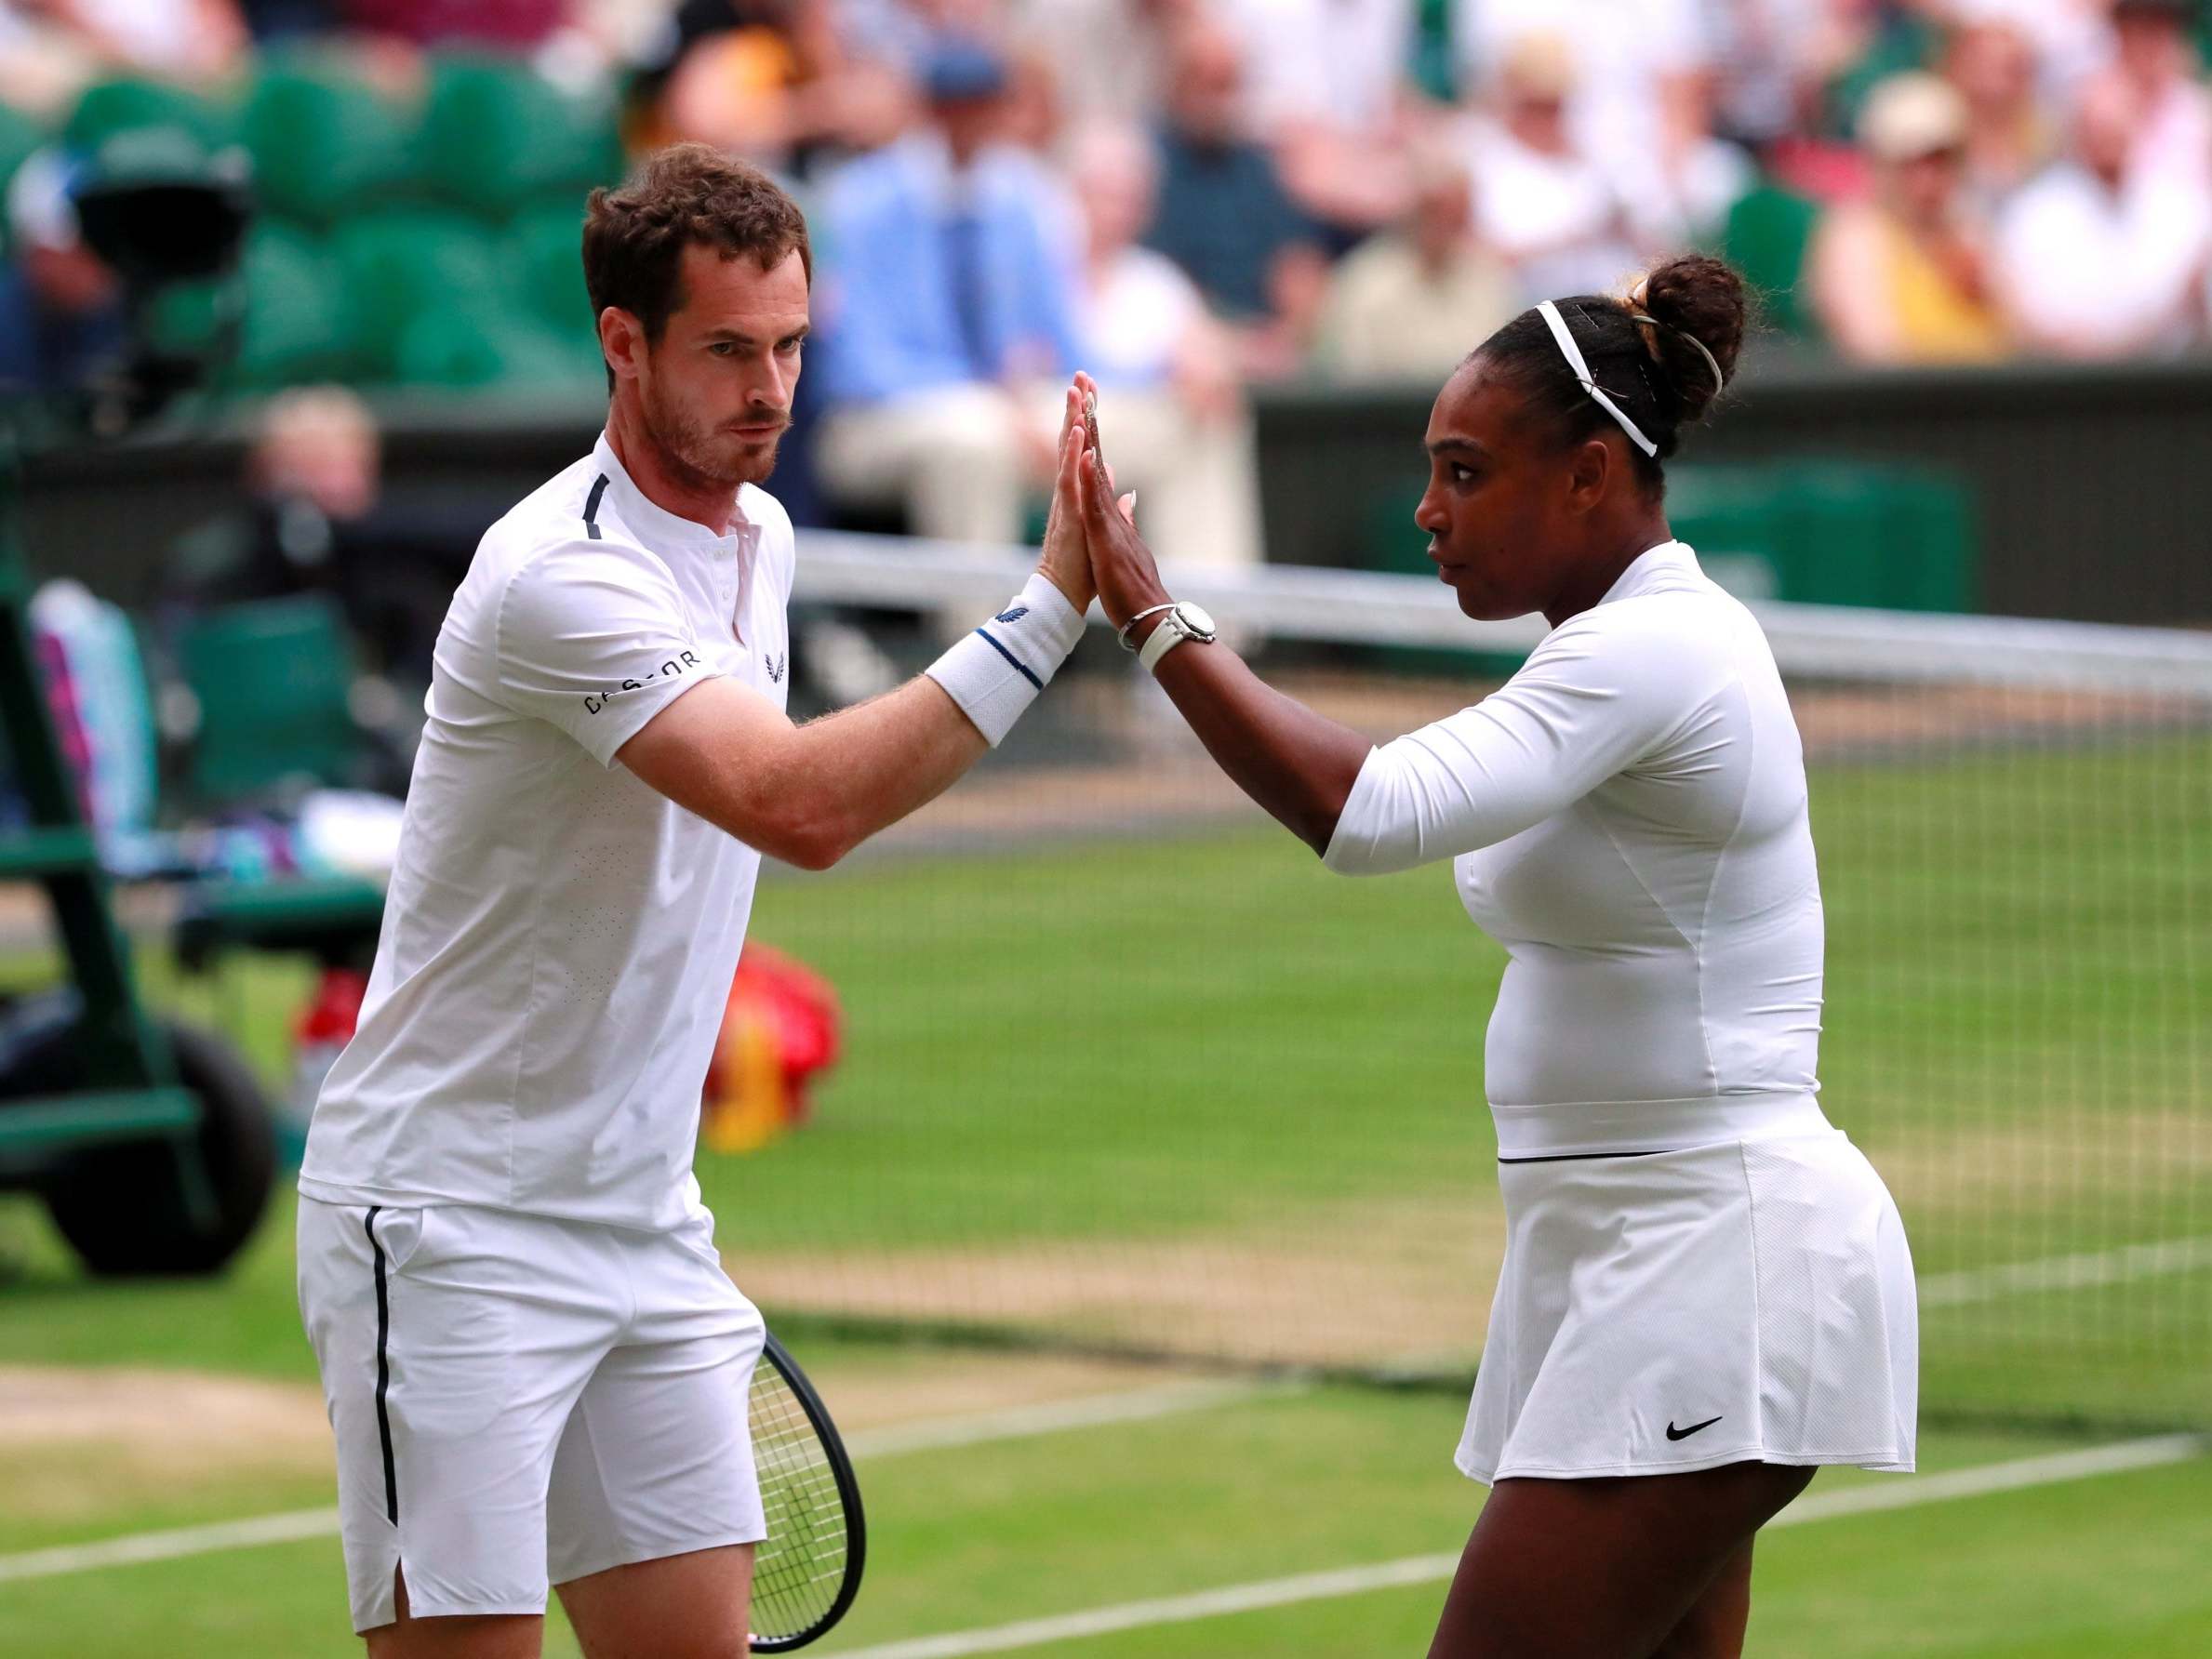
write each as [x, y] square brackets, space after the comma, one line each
[1198, 620]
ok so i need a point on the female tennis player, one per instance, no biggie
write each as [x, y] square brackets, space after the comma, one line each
[1706, 1289]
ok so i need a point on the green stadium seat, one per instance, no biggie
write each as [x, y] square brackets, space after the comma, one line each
[1934, 543]
[405, 262]
[124, 104]
[457, 347]
[299, 320]
[1831, 532]
[19, 136]
[190, 320]
[435, 302]
[323, 146]
[1738, 522]
[1433, 63]
[1897, 537]
[1768, 234]
[494, 134]
[544, 256]
[273, 678]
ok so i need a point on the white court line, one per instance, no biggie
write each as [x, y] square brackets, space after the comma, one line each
[1940, 1289]
[1902, 1494]
[2067, 1272]
[978, 1428]
[1135, 1405]
[164, 1546]
[1906, 1491]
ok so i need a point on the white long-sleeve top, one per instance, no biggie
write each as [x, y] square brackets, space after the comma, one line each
[1627, 817]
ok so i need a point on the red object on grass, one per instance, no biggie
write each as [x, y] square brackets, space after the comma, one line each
[320, 1035]
[802, 1011]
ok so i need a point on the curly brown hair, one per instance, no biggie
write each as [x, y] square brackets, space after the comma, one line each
[687, 195]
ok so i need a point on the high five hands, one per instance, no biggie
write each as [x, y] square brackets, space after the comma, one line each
[1091, 545]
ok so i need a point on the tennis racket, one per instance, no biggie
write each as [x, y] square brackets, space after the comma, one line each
[807, 1570]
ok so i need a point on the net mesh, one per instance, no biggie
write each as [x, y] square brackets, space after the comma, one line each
[1126, 1070]
[798, 1571]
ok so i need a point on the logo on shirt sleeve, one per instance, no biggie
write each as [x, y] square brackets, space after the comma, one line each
[775, 667]
[681, 663]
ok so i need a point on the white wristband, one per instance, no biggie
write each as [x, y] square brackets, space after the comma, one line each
[997, 671]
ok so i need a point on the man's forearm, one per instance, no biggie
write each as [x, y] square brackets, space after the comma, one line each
[809, 794]
[886, 757]
[804, 795]
[868, 766]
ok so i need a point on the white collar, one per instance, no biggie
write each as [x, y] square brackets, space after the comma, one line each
[1673, 555]
[664, 528]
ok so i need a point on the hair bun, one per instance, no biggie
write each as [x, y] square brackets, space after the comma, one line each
[1702, 298]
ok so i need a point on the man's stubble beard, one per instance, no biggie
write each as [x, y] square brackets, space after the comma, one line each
[691, 448]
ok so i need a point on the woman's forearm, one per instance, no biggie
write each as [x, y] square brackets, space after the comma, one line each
[1297, 764]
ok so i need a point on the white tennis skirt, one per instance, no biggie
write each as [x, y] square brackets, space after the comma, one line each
[1742, 1300]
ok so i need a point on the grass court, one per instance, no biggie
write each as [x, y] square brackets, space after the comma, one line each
[1250, 1155]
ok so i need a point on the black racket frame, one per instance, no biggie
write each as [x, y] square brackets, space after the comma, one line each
[848, 1494]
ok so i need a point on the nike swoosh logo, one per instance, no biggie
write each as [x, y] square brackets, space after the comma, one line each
[1682, 1434]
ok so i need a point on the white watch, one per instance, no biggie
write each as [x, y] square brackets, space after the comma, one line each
[1182, 621]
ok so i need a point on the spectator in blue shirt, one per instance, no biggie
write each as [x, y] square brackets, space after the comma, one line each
[1170, 401]
[948, 314]
[1224, 214]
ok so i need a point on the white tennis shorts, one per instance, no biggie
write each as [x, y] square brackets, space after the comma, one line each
[1750, 1300]
[520, 1401]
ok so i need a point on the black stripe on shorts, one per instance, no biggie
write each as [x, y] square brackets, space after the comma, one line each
[368, 1225]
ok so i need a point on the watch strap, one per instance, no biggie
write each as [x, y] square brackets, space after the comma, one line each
[1129, 626]
[1171, 632]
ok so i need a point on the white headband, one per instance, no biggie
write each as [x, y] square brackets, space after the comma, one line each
[1573, 354]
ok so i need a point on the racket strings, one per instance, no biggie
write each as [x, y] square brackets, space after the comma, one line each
[798, 1571]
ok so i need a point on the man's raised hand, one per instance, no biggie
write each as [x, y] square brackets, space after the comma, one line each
[1066, 563]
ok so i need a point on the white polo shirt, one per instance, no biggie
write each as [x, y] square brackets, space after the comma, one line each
[559, 938]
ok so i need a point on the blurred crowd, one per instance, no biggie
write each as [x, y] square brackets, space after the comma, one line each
[1193, 196]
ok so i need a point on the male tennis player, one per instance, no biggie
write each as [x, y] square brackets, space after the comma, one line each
[535, 1366]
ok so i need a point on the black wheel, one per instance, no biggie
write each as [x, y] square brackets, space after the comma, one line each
[123, 1208]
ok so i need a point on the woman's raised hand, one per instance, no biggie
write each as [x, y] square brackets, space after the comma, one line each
[1121, 565]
